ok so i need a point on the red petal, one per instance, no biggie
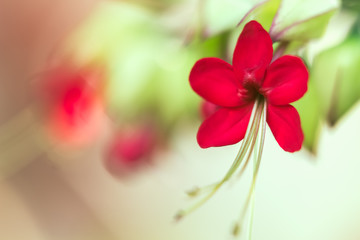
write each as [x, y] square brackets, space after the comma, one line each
[286, 80]
[225, 127]
[284, 122]
[214, 80]
[253, 52]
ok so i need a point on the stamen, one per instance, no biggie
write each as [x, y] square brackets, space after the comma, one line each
[250, 135]
[257, 161]
[197, 191]
[254, 139]
[253, 132]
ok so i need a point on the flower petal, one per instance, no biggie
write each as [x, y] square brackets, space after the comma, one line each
[225, 127]
[284, 122]
[286, 80]
[214, 80]
[253, 52]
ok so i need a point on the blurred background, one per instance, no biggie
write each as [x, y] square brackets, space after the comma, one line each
[98, 122]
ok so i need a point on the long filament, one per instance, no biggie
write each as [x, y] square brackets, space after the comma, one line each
[252, 128]
[257, 162]
[240, 156]
[251, 132]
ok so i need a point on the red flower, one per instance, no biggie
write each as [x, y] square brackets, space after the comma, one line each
[235, 88]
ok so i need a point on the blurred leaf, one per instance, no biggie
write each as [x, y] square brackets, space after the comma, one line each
[302, 19]
[263, 12]
[311, 117]
[147, 67]
[336, 73]
[107, 29]
[353, 5]
[309, 29]
[126, 40]
[220, 16]
[175, 95]
[201, 19]
[291, 21]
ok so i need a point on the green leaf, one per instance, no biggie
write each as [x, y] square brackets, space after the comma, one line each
[311, 117]
[302, 19]
[336, 73]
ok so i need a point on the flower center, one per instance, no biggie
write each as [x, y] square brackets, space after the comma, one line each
[252, 90]
[252, 87]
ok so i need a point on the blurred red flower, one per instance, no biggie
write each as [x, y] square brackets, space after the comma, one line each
[235, 88]
[72, 103]
[131, 148]
[131, 145]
